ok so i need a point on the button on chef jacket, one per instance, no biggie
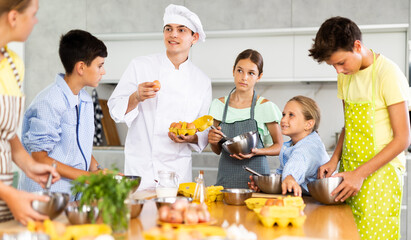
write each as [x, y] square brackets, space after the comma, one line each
[185, 95]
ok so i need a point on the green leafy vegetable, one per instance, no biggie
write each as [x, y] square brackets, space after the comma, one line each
[108, 191]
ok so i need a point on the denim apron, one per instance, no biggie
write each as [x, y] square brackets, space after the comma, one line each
[230, 170]
[376, 207]
[11, 110]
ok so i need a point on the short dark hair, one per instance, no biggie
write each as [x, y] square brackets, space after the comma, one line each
[336, 33]
[78, 45]
[254, 56]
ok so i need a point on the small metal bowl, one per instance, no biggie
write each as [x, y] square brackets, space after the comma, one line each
[269, 183]
[81, 215]
[321, 189]
[236, 196]
[167, 201]
[52, 208]
[26, 235]
[130, 178]
[135, 206]
[241, 144]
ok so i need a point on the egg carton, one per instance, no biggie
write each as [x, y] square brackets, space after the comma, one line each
[280, 215]
[282, 221]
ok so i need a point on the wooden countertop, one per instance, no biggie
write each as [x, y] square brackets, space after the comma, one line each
[323, 222]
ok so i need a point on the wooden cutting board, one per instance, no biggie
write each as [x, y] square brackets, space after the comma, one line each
[109, 126]
[266, 195]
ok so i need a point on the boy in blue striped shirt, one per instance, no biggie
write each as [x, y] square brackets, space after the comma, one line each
[58, 126]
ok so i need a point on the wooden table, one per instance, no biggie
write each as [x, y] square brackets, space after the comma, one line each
[323, 222]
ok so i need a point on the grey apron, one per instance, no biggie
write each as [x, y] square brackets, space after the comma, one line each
[230, 170]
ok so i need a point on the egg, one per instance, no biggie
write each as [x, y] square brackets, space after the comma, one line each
[180, 204]
[178, 125]
[175, 216]
[157, 84]
[191, 126]
[173, 124]
[163, 213]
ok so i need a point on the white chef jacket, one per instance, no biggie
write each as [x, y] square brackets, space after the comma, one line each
[185, 95]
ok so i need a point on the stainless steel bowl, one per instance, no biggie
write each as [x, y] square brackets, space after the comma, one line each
[135, 206]
[269, 183]
[167, 201]
[321, 189]
[241, 144]
[130, 178]
[81, 215]
[26, 235]
[52, 208]
[236, 196]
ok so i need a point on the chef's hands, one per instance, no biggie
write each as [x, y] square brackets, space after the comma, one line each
[252, 185]
[183, 138]
[39, 172]
[19, 203]
[290, 185]
[350, 185]
[327, 169]
[146, 90]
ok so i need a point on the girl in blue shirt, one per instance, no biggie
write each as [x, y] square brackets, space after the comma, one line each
[304, 153]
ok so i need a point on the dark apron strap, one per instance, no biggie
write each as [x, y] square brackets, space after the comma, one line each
[228, 101]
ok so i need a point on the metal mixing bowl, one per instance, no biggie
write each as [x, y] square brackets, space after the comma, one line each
[242, 143]
[26, 235]
[81, 215]
[130, 178]
[269, 183]
[321, 189]
[167, 201]
[236, 196]
[135, 206]
[52, 208]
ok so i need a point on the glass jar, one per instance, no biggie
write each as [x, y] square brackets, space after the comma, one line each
[167, 185]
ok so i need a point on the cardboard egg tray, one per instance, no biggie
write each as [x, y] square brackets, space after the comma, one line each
[290, 212]
[297, 221]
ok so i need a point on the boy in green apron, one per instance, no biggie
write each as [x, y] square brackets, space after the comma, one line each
[374, 92]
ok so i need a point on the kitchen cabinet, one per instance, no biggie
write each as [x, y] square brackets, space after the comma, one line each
[285, 51]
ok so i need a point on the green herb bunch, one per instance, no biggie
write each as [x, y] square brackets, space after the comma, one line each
[108, 191]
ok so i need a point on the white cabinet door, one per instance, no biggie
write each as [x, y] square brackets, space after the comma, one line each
[120, 53]
[391, 44]
[305, 67]
[216, 56]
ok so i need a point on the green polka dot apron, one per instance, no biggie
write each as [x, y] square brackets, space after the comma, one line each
[376, 207]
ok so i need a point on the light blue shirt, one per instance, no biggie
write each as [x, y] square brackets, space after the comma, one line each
[303, 159]
[50, 125]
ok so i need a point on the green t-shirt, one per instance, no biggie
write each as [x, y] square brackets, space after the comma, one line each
[263, 113]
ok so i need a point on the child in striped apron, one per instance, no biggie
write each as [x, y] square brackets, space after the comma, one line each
[17, 18]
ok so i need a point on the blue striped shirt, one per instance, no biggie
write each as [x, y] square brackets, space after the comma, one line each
[50, 125]
[302, 160]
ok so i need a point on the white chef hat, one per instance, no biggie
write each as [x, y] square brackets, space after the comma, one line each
[181, 15]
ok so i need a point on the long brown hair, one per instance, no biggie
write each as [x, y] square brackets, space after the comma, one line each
[18, 5]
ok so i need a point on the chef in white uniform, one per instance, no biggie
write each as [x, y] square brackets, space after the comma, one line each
[148, 111]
